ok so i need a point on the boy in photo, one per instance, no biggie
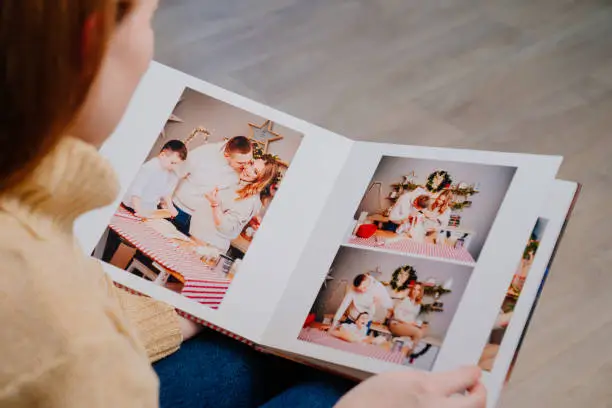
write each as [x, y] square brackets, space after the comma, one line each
[356, 332]
[155, 182]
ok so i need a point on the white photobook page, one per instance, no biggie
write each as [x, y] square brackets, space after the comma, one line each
[496, 263]
[255, 292]
[554, 211]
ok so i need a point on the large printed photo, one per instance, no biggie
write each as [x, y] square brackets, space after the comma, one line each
[195, 206]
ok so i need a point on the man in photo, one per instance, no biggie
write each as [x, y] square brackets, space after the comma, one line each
[155, 182]
[210, 166]
[363, 296]
[227, 210]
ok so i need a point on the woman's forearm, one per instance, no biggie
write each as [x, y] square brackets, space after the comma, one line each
[342, 309]
[167, 202]
[217, 216]
[137, 206]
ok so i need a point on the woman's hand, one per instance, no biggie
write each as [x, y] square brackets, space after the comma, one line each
[212, 197]
[189, 328]
[409, 389]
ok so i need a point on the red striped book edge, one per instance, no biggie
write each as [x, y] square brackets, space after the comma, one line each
[196, 319]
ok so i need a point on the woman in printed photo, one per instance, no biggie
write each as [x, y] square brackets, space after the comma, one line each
[70, 338]
[438, 215]
[228, 209]
[404, 322]
[399, 286]
[407, 205]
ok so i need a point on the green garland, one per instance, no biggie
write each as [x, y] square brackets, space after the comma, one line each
[432, 290]
[458, 206]
[258, 153]
[446, 182]
[531, 249]
[410, 186]
[464, 191]
[427, 308]
[412, 277]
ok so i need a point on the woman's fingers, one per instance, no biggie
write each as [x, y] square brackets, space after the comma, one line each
[475, 398]
[457, 381]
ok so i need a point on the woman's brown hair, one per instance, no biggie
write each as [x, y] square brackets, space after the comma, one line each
[50, 54]
[264, 178]
[448, 195]
[419, 297]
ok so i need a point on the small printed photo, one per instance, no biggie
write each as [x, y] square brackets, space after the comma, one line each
[430, 208]
[385, 306]
[195, 206]
[489, 354]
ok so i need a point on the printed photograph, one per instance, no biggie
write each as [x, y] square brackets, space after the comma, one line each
[197, 202]
[430, 208]
[385, 306]
[489, 354]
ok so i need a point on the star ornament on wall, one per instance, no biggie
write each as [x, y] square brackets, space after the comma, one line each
[376, 271]
[263, 134]
[328, 278]
[173, 118]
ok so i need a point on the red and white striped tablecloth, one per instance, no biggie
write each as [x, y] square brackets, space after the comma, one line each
[202, 284]
[409, 246]
[369, 350]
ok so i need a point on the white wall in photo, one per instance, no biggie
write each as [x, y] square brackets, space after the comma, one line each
[222, 120]
[492, 181]
[350, 262]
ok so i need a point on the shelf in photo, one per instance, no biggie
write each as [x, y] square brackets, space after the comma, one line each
[408, 254]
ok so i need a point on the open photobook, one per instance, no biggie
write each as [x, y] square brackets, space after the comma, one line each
[351, 256]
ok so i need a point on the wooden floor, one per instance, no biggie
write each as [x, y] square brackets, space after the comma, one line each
[512, 75]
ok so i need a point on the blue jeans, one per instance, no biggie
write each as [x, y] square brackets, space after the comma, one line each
[182, 221]
[212, 370]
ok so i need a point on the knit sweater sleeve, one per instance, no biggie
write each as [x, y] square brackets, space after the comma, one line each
[156, 323]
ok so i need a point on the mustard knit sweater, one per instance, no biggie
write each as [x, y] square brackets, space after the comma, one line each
[69, 338]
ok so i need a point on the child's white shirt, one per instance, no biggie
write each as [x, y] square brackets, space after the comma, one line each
[151, 185]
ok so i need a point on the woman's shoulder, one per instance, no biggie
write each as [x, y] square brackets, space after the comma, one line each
[250, 203]
[48, 278]
[55, 323]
